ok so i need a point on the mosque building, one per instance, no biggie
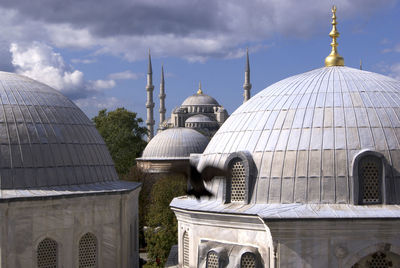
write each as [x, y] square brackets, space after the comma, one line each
[61, 203]
[315, 164]
[187, 131]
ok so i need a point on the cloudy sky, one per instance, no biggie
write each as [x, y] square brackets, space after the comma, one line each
[94, 51]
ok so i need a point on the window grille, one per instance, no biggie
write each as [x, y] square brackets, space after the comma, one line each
[248, 261]
[212, 260]
[185, 249]
[88, 251]
[238, 185]
[371, 192]
[379, 260]
[47, 253]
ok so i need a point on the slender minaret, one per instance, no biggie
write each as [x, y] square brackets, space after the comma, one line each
[360, 64]
[247, 84]
[150, 103]
[162, 97]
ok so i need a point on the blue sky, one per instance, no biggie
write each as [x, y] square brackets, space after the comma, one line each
[95, 51]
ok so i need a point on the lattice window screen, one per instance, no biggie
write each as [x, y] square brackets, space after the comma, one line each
[212, 260]
[46, 253]
[88, 251]
[238, 188]
[370, 175]
[379, 260]
[248, 261]
[185, 249]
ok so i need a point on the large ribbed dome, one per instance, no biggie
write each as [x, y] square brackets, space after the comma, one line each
[200, 100]
[174, 144]
[46, 140]
[304, 132]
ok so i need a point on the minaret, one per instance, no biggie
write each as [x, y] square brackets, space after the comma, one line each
[150, 103]
[334, 59]
[360, 64]
[247, 84]
[162, 97]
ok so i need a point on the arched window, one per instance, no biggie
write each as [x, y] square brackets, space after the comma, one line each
[370, 180]
[185, 249]
[88, 251]
[212, 260]
[238, 182]
[248, 260]
[379, 260]
[46, 254]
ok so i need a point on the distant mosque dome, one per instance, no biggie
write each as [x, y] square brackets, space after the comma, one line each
[46, 140]
[174, 143]
[201, 119]
[200, 100]
[171, 149]
[306, 135]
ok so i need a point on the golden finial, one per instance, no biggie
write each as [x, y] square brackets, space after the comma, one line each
[334, 59]
[199, 91]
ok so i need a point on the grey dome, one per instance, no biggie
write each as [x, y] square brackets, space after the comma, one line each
[200, 118]
[46, 140]
[174, 143]
[304, 132]
[200, 100]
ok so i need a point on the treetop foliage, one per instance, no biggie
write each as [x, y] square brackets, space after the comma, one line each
[123, 135]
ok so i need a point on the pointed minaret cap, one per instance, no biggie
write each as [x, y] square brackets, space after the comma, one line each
[247, 60]
[150, 69]
[199, 91]
[162, 73]
[334, 59]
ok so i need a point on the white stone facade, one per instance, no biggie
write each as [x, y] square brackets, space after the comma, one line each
[111, 218]
[279, 243]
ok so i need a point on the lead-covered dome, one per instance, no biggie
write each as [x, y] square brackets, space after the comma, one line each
[46, 140]
[200, 100]
[174, 144]
[305, 136]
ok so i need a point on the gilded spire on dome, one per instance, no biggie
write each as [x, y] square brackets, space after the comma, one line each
[199, 91]
[334, 59]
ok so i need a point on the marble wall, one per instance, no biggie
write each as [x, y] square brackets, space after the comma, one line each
[112, 218]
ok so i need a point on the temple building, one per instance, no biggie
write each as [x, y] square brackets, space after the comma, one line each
[315, 176]
[187, 131]
[61, 202]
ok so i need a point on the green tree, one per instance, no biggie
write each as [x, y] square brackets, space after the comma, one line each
[123, 135]
[162, 229]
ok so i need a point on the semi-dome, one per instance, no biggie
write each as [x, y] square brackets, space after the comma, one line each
[303, 138]
[200, 100]
[46, 140]
[174, 144]
[200, 118]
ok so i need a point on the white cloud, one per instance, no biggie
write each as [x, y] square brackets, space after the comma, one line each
[216, 29]
[125, 75]
[103, 84]
[40, 62]
[83, 61]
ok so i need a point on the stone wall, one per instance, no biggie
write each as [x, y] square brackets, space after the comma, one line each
[112, 218]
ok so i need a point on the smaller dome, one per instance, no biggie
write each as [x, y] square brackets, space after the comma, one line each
[200, 118]
[174, 143]
[199, 99]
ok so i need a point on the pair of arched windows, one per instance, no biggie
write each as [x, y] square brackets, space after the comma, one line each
[47, 252]
[247, 260]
